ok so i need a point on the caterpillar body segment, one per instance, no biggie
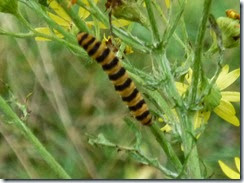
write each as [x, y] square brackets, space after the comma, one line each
[117, 75]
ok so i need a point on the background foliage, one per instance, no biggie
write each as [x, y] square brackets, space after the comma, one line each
[57, 87]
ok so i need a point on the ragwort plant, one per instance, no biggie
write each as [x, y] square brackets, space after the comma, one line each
[180, 98]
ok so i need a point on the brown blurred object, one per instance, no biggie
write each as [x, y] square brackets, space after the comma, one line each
[112, 4]
[71, 3]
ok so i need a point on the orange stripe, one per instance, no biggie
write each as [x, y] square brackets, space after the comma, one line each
[114, 70]
[108, 59]
[140, 111]
[86, 40]
[128, 90]
[135, 100]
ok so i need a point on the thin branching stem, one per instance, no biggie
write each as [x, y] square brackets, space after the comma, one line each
[152, 20]
[197, 65]
[171, 27]
[149, 161]
[76, 19]
[166, 147]
[11, 116]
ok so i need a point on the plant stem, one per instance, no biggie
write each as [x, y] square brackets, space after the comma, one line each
[155, 33]
[76, 19]
[190, 149]
[166, 146]
[67, 36]
[17, 35]
[69, 41]
[14, 119]
[171, 27]
[170, 83]
[149, 161]
[197, 64]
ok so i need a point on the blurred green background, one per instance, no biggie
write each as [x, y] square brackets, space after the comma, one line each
[69, 98]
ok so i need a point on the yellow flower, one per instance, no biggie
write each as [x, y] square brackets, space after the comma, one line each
[232, 174]
[63, 19]
[225, 109]
[115, 43]
[167, 2]
[167, 128]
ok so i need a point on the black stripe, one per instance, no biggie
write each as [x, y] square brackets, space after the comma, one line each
[103, 55]
[137, 106]
[131, 96]
[89, 43]
[123, 86]
[83, 38]
[111, 64]
[148, 122]
[94, 49]
[142, 116]
[117, 75]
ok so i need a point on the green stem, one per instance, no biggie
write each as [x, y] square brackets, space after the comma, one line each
[11, 116]
[76, 19]
[149, 161]
[175, 35]
[17, 35]
[170, 83]
[171, 27]
[197, 64]
[166, 146]
[69, 41]
[220, 48]
[67, 36]
[152, 20]
[189, 145]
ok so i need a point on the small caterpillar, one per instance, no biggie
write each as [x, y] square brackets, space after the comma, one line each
[232, 14]
[118, 75]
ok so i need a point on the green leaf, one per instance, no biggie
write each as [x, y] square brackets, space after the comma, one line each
[138, 157]
[101, 139]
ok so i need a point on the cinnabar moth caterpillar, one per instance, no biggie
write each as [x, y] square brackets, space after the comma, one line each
[232, 14]
[118, 75]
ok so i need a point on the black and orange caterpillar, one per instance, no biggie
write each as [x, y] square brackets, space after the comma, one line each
[118, 75]
[232, 14]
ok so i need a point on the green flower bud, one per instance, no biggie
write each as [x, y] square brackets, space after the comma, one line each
[230, 29]
[43, 2]
[130, 10]
[9, 6]
[212, 100]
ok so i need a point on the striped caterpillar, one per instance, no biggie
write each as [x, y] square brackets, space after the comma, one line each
[118, 75]
[232, 14]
